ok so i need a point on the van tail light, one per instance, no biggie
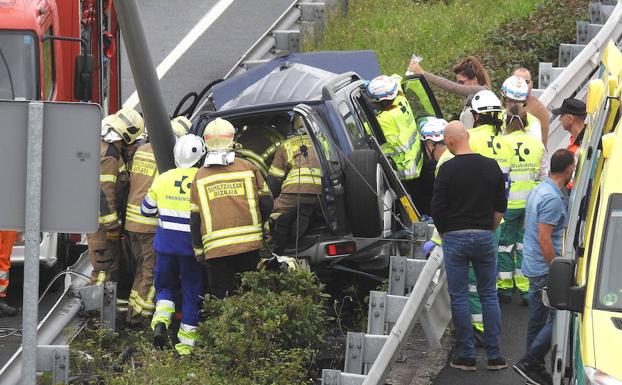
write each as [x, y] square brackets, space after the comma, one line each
[75, 238]
[341, 248]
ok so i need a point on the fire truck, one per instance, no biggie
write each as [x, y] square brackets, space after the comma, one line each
[59, 50]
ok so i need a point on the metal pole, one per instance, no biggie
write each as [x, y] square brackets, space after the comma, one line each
[30, 312]
[147, 83]
[405, 323]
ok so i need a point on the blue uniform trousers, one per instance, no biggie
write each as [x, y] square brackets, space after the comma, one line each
[174, 271]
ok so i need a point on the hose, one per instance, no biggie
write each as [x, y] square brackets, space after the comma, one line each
[195, 101]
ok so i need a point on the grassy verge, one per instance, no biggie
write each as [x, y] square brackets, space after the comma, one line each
[502, 34]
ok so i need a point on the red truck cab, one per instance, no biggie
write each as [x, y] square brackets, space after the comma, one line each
[59, 50]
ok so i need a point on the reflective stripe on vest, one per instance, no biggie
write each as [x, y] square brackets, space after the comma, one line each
[169, 196]
[304, 176]
[134, 214]
[251, 233]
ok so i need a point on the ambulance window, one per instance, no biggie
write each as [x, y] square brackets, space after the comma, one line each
[609, 293]
[48, 66]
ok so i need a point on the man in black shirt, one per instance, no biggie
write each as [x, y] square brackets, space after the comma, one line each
[467, 205]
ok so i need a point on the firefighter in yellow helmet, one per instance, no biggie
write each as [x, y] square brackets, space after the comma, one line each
[229, 201]
[295, 178]
[141, 229]
[118, 132]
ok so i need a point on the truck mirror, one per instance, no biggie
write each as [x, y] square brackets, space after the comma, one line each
[84, 71]
[562, 293]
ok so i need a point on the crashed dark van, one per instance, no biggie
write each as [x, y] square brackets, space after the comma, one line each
[326, 91]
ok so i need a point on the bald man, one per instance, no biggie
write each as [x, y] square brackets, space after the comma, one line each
[467, 205]
[533, 105]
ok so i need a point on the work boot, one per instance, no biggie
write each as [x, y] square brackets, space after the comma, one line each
[160, 336]
[6, 310]
[533, 373]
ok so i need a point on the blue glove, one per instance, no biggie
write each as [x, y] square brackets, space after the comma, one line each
[428, 247]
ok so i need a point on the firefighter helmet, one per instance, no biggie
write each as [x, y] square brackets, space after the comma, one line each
[485, 101]
[382, 88]
[515, 88]
[188, 150]
[129, 124]
[181, 126]
[218, 134]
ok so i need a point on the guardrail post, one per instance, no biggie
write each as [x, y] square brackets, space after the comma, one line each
[354, 353]
[286, 42]
[335, 377]
[376, 317]
[55, 359]
[397, 275]
[109, 306]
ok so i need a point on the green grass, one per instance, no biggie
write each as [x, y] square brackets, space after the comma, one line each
[439, 33]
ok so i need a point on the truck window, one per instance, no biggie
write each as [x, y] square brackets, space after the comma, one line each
[18, 66]
[609, 291]
[48, 66]
[348, 118]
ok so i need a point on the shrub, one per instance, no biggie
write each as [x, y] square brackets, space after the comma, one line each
[268, 333]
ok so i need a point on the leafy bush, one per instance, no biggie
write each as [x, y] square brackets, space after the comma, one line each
[268, 333]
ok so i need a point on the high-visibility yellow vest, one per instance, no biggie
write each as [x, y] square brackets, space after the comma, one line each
[403, 141]
[483, 141]
[525, 168]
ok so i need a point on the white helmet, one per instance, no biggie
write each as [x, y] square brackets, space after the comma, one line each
[129, 124]
[382, 88]
[485, 101]
[433, 129]
[188, 150]
[181, 126]
[218, 134]
[515, 88]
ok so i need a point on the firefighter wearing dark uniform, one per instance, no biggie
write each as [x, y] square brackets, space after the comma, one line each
[141, 228]
[295, 178]
[229, 202]
[118, 131]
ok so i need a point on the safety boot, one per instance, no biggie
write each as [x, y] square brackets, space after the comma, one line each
[160, 336]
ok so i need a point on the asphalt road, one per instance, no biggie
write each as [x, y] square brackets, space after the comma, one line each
[213, 53]
[514, 333]
[209, 58]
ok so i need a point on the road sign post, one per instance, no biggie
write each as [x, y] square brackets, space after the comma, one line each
[30, 310]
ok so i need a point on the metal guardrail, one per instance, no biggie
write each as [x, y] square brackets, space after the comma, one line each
[570, 81]
[52, 334]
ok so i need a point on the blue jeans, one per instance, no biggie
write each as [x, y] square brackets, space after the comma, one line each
[480, 248]
[540, 322]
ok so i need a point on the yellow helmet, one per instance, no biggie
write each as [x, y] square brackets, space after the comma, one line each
[129, 125]
[181, 126]
[218, 134]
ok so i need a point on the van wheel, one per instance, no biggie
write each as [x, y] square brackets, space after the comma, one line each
[363, 205]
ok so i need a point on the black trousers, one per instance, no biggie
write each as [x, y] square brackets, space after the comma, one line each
[221, 273]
